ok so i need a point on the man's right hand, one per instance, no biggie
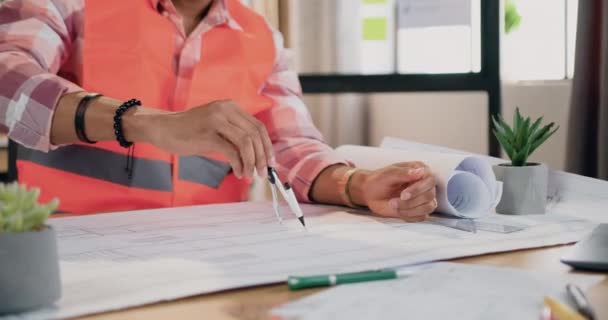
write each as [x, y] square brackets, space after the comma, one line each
[218, 127]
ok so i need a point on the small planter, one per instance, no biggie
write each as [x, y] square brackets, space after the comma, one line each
[524, 188]
[29, 270]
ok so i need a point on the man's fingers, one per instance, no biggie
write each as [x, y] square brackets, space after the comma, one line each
[258, 135]
[418, 213]
[261, 128]
[418, 188]
[418, 200]
[226, 148]
[243, 143]
[411, 164]
[267, 143]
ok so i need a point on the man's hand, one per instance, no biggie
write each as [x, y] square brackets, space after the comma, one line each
[403, 190]
[219, 127]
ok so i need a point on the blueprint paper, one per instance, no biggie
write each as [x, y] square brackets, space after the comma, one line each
[114, 261]
[440, 291]
[466, 185]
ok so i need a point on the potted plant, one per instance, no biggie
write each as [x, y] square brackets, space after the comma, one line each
[29, 265]
[524, 183]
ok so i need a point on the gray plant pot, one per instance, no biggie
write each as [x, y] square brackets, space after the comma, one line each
[524, 188]
[29, 270]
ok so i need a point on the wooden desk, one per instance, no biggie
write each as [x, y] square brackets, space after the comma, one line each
[250, 304]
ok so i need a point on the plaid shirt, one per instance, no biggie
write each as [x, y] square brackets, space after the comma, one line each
[40, 58]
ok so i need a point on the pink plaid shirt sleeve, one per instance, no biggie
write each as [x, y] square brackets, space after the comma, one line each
[35, 40]
[299, 147]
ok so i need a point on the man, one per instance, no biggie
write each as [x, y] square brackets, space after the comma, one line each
[215, 88]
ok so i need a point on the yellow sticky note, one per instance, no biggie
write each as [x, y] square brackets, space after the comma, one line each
[374, 1]
[374, 28]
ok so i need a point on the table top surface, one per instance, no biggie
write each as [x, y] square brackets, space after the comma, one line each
[255, 303]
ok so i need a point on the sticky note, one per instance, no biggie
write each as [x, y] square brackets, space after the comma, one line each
[374, 1]
[374, 28]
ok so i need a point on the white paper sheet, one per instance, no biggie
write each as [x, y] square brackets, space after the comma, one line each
[466, 185]
[568, 193]
[115, 261]
[440, 291]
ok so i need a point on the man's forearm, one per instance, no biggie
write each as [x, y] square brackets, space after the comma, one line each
[99, 120]
[326, 187]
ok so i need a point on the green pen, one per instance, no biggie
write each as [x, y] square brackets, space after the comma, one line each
[297, 283]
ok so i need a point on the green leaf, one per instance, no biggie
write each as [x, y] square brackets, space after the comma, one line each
[542, 140]
[19, 209]
[522, 135]
[534, 128]
[525, 153]
[517, 120]
[509, 135]
[506, 145]
[535, 137]
[521, 157]
[512, 17]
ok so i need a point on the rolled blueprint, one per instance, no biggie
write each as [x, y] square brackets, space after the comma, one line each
[466, 185]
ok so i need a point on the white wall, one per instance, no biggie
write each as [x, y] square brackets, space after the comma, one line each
[454, 119]
[459, 119]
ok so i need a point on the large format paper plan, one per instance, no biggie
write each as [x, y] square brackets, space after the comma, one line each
[114, 261]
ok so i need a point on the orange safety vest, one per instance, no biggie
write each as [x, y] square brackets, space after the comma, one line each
[128, 52]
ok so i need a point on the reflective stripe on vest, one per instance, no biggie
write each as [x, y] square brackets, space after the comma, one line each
[147, 174]
[129, 52]
[203, 170]
[109, 166]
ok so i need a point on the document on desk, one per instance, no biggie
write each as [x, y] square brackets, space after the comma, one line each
[466, 185]
[119, 260]
[440, 291]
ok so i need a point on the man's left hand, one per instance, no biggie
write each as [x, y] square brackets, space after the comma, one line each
[403, 190]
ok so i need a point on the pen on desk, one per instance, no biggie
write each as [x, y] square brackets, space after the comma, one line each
[561, 311]
[297, 283]
[580, 301]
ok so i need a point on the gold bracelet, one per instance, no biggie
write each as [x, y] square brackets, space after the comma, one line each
[344, 184]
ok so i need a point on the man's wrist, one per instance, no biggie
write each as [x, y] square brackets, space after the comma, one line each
[356, 187]
[142, 124]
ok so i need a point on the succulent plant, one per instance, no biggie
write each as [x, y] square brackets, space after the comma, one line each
[19, 208]
[521, 140]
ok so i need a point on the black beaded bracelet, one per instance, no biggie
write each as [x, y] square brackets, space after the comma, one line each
[118, 129]
[83, 105]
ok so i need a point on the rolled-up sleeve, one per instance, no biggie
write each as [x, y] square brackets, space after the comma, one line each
[299, 147]
[35, 39]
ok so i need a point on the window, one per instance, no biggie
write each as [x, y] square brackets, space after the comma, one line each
[541, 47]
[440, 36]
[430, 37]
